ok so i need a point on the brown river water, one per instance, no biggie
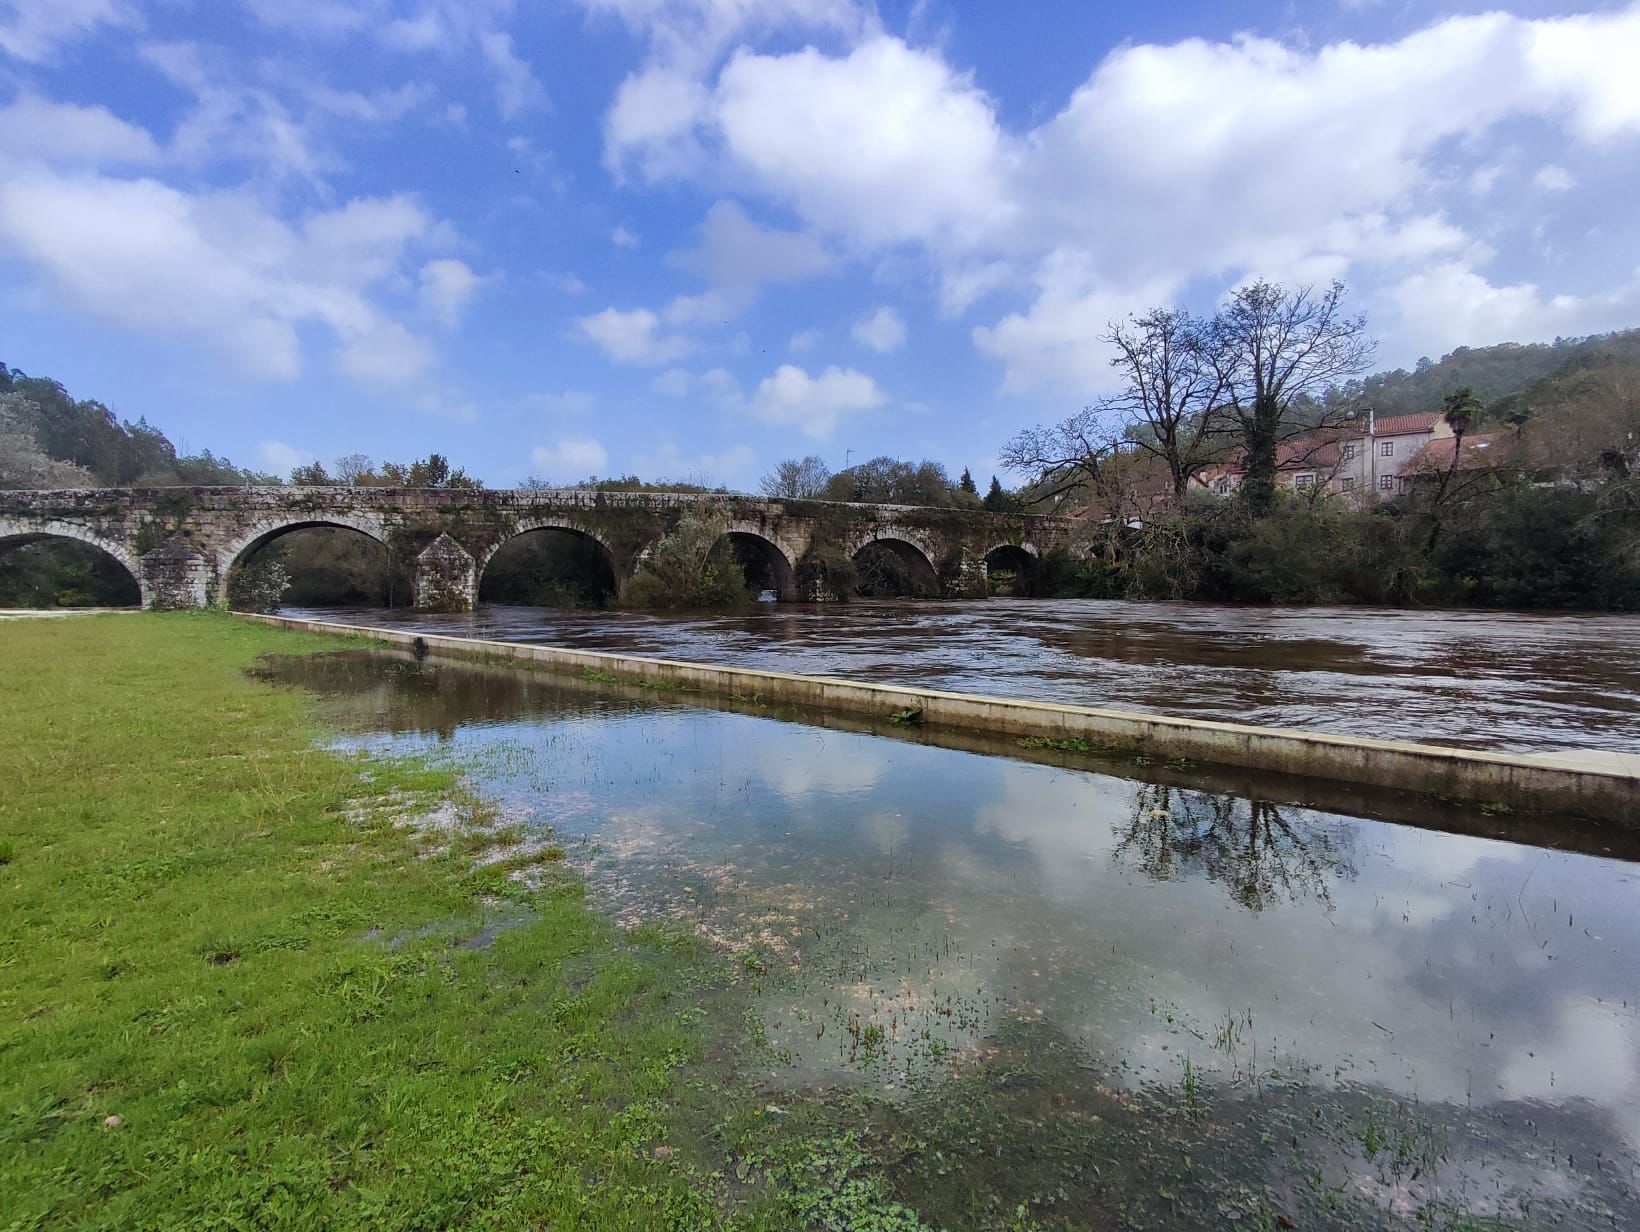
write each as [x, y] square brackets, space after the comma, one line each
[1489, 680]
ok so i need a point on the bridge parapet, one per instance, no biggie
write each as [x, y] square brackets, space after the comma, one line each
[182, 544]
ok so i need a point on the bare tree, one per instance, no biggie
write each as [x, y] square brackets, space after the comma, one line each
[352, 467]
[1172, 392]
[1063, 457]
[797, 480]
[1272, 347]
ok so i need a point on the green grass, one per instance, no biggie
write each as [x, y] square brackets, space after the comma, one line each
[208, 933]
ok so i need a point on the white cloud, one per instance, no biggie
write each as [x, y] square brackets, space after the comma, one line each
[572, 458]
[218, 266]
[716, 386]
[326, 18]
[883, 331]
[1451, 305]
[1140, 185]
[385, 355]
[447, 287]
[885, 145]
[652, 124]
[803, 340]
[1554, 179]
[792, 398]
[516, 88]
[281, 458]
[1055, 343]
[33, 30]
[735, 251]
[634, 337]
[33, 129]
[669, 463]
[674, 383]
[621, 237]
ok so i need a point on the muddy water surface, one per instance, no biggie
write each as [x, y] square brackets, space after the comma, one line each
[1109, 1002]
[1478, 679]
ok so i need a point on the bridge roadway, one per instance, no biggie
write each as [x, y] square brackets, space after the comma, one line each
[182, 544]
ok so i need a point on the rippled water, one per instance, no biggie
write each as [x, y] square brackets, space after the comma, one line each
[1478, 679]
[1158, 1004]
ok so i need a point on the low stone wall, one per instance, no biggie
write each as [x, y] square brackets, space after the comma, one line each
[1603, 786]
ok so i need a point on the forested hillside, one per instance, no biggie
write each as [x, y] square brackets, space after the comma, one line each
[1500, 375]
[43, 430]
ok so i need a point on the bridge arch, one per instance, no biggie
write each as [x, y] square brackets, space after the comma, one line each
[266, 531]
[15, 532]
[898, 561]
[762, 560]
[602, 590]
[1012, 566]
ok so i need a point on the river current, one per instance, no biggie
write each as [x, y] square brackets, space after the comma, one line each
[1488, 680]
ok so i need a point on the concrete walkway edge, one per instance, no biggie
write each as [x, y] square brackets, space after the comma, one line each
[1604, 787]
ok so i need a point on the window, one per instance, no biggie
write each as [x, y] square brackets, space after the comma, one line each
[1387, 449]
[1348, 482]
[1222, 487]
[1304, 481]
[1349, 451]
[1386, 483]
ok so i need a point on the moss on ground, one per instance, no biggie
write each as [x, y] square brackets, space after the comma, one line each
[232, 990]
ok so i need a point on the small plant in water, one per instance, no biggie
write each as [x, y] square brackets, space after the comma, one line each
[909, 716]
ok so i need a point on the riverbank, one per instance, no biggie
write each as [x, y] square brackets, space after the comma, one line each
[249, 982]
[1498, 681]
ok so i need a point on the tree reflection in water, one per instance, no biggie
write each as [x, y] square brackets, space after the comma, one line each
[1258, 855]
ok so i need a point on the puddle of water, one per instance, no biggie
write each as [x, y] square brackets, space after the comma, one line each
[1494, 680]
[1174, 1005]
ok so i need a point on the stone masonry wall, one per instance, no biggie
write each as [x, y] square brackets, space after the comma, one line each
[182, 543]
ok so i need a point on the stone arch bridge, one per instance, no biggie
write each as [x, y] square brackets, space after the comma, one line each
[181, 544]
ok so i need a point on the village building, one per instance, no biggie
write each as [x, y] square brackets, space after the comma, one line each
[1370, 459]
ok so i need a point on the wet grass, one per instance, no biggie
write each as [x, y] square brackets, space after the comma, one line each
[593, 675]
[202, 1021]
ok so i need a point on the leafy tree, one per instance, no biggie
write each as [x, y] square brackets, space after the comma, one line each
[996, 500]
[890, 481]
[692, 566]
[794, 479]
[23, 464]
[311, 475]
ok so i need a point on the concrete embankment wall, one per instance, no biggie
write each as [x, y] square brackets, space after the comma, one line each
[1604, 786]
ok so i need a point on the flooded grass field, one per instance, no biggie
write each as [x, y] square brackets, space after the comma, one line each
[1492, 680]
[1040, 995]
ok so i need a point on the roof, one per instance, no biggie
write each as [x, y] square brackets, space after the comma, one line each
[1400, 425]
[1479, 450]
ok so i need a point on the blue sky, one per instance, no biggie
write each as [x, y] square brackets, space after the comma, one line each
[688, 238]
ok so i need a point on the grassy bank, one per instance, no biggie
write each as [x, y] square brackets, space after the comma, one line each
[234, 993]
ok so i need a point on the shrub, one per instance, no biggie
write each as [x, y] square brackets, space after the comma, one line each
[693, 566]
[258, 584]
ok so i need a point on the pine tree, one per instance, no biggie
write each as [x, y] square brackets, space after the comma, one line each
[996, 500]
[966, 483]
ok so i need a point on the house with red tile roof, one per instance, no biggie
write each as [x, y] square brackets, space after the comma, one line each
[1363, 461]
